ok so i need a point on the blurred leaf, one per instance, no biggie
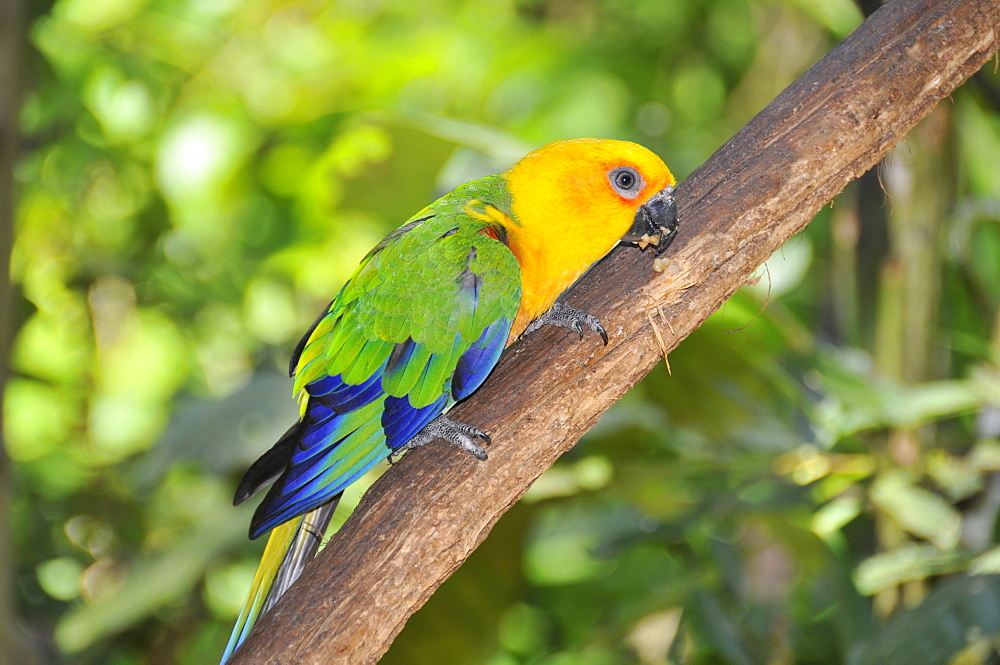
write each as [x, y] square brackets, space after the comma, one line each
[907, 563]
[958, 610]
[157, 581]
[832, 517]
[917, 510]
[987, 563]
[721, 631]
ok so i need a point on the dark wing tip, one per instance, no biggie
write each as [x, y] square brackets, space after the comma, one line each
[268, 466]
[243, 492]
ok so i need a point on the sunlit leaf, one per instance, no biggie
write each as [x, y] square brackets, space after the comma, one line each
[907, 563]
[917, 510]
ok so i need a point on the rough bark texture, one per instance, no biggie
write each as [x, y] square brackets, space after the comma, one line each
[422, 519]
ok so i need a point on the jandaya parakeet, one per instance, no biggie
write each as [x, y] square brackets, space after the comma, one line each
[423, 321]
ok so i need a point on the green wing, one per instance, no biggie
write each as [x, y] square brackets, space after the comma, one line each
[418, 327]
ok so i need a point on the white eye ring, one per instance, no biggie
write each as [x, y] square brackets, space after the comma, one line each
[626, 181]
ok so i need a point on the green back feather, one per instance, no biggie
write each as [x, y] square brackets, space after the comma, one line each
[437, 280]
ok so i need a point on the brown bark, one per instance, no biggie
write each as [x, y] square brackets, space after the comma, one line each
[428, 513]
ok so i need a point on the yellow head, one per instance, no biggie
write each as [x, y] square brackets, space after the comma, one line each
[572, 201]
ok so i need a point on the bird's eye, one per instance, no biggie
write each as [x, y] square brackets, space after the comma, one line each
[626, 181]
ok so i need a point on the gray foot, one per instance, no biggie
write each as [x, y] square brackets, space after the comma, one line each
[565, 316]
[458, 434]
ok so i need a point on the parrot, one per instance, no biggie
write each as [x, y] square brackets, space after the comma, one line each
[424, 319]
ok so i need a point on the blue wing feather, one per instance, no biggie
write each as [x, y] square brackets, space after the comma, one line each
[331, 419]
[399, 333]
[402, 421]
[360, 387]
[479, 360]
[346, 401]
[329, 385]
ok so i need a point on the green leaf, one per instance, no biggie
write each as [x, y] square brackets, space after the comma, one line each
[957, 611]
[919, 511]
[905, 564]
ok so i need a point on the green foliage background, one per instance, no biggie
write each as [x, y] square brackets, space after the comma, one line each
[816, 482]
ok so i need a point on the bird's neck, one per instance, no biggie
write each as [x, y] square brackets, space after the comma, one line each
[544, 276]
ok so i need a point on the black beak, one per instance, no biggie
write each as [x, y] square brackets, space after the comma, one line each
[655, 222]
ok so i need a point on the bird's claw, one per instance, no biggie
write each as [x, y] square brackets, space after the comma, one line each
[455, 433]
[565, 316]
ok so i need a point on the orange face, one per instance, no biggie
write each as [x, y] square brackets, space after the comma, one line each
[598, 182]
[572, 202]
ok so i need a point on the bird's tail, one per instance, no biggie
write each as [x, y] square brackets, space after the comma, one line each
[289, 548]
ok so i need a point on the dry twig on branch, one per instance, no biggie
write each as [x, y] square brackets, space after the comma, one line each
[422, 519]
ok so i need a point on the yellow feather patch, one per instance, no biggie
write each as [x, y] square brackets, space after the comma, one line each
[278, 543]
[486, 212]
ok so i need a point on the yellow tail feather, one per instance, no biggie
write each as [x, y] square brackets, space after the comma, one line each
[278, 544]
[289, 548]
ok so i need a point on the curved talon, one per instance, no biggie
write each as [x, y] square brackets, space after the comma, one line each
[599, 329]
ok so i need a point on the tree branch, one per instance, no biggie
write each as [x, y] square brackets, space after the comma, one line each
[424, 517]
